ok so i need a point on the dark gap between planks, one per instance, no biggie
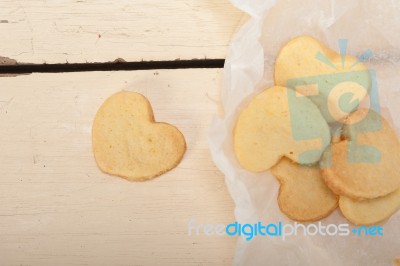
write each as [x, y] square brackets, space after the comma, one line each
[111, 66]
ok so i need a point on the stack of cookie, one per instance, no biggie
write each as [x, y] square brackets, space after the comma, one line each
[309, 131]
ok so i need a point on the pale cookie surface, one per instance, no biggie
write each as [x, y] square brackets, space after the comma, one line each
[372, 211]
[272, 126]
[303, 195]
[308, 66]
[364, 164]
[127, 142]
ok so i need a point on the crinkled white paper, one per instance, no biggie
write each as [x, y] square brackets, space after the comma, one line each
[249, 67]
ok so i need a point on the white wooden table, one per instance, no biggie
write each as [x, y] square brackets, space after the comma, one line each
[56, 206]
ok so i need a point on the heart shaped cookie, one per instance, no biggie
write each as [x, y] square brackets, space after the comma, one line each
[364, 163]
[335, 83]
[279, 122]
[372, 211]
[303, 195]
[127, 142]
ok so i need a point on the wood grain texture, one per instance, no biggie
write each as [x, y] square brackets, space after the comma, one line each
[40, 31]
[58, 208]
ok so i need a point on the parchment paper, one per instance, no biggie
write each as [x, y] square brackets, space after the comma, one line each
[249, 66]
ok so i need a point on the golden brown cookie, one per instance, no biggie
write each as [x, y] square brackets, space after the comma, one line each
[372, 211]
[127, 142]
[303, 195]
[322, 74]
[364, 164]
[268, 129]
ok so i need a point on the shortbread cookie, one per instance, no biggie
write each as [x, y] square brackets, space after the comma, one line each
[372, 211]
[303, 195]
[268, 129]
[334, 83]
[364, 164]
[127, 142]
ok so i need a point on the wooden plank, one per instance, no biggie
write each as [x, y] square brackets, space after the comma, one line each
[37, 31]
[58, 208]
